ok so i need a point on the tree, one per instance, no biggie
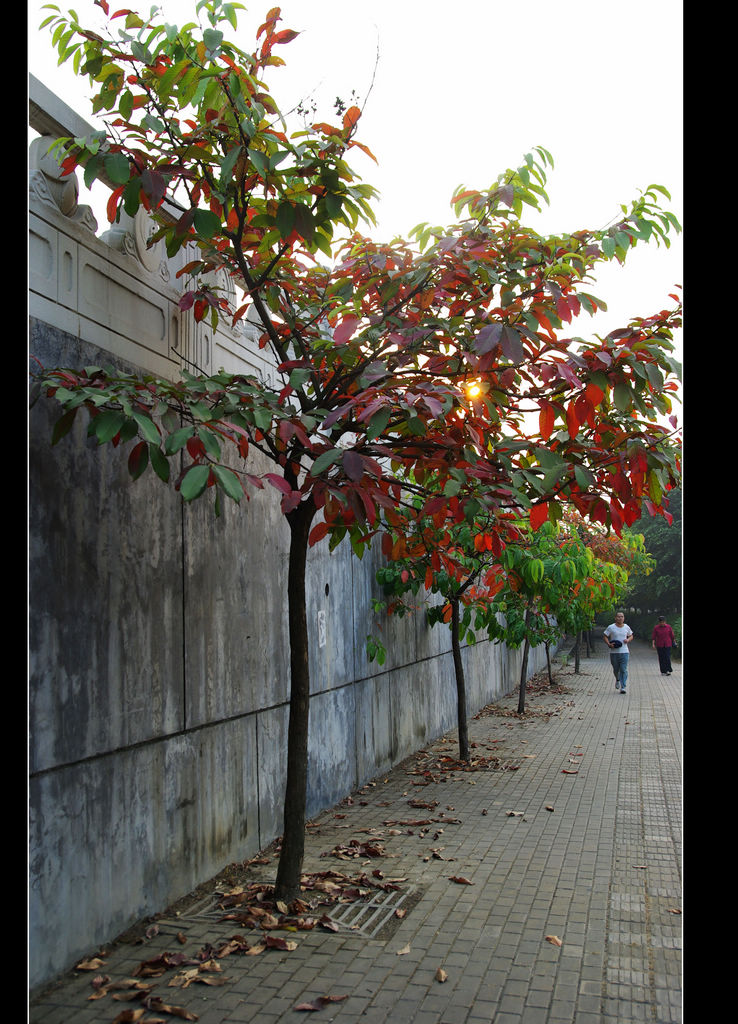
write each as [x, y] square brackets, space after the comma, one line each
[373, 352]
[661, 590]
[456, 560]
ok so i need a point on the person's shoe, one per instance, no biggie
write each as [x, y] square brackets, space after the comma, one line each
[623, 691]
[617, 686]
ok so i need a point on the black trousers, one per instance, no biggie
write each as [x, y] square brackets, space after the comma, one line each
[664, 654]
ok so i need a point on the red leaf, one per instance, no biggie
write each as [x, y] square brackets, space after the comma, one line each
[112, 207]
[285, 36]
[351, 116]
[195, 447]
[353, 465]
[538, 515]
[279, 482]
[546, 420]
[345, 330]
[317, 533]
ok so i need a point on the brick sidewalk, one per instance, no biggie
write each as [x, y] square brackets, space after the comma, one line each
[589, 857]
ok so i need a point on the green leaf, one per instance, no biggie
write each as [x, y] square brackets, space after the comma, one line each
[117, 168]
[147, 427]
[299, 377]
[125, 105]
[325, 460]
[378, 423]
[583, 477]
[212, 39]
[159, 462]
[230, 483]
[622, 397]
[107, 424]
[210, 442]
[92, 169]
[178, 440]
[226, 168]
[63, 426]
[206, 223]
[285, 218]
[194, 483]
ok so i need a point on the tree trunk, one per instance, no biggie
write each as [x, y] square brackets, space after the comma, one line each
[524, 667]
[460, 682]
[548, 664]
[577, 645]
[289, 870]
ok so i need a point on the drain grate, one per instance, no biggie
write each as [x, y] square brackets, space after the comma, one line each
[378, 916]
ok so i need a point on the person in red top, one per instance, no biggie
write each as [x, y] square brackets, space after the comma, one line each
[662, 640]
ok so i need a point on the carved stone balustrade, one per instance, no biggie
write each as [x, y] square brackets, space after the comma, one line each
[113, 289]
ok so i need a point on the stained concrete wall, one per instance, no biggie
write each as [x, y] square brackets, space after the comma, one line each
[159, 685]
[159, 662]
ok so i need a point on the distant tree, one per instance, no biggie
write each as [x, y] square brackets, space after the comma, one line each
[661, 590]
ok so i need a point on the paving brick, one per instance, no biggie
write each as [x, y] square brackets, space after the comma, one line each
[601, 872]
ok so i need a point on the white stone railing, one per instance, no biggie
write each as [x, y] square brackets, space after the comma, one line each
[112, 289]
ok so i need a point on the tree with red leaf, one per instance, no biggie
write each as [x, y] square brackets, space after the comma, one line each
[375, 352]
[458, 560]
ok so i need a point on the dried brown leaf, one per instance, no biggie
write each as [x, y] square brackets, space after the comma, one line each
[93, 964]
[441, 975]
[554, 940]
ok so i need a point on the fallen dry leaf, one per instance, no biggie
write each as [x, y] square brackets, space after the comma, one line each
[515, 814]
[460, 880]
[568, 771]
[93, 964]
[674, 910]
[129, 1016]
[404, 950]
[156, 1003]
[274, 942]
[549, 807]
[441, 975]
[554, 940]
[320, 1002]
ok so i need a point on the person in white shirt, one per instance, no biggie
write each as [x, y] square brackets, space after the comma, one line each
[617, 637]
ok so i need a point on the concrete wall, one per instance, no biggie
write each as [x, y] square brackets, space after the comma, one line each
[159, 662]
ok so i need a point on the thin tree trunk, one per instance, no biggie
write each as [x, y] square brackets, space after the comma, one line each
[289, 870]
[460, 682]
[548, 664]
[577, 646]
[524, 667]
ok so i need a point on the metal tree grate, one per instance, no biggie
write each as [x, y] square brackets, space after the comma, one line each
[368, 917]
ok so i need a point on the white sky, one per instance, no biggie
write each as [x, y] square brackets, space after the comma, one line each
[462, 90]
